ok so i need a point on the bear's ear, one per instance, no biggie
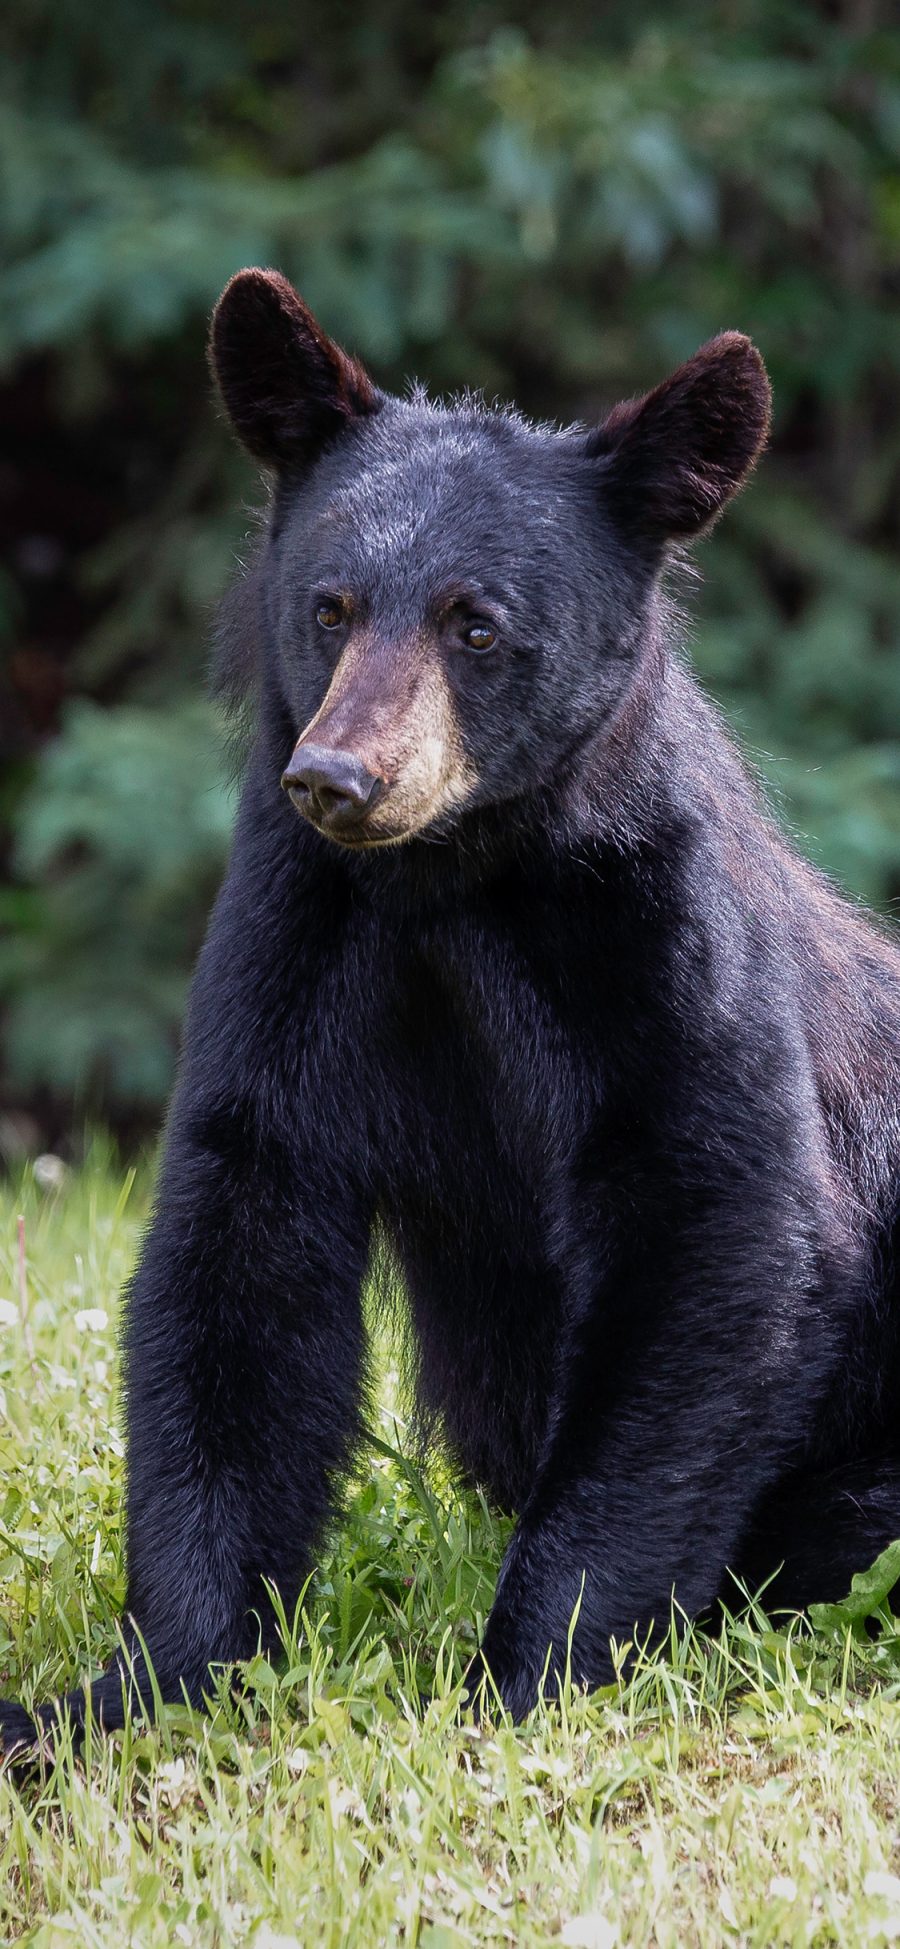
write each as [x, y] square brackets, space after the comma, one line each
[673, 459]
[286, 386]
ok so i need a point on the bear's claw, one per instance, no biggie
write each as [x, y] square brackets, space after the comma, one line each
[24, 1741]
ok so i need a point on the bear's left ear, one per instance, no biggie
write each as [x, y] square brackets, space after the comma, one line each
[286, 386]
[672, 460]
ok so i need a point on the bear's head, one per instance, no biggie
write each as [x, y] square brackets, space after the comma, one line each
[456, 600]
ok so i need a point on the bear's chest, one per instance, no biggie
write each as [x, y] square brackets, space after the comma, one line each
[485, 1086]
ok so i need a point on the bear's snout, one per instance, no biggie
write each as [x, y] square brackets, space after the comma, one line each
[333, 789]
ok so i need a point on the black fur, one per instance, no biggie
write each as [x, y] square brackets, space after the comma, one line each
[614, 1069]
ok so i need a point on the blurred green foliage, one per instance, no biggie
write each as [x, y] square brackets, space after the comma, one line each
[558, 210]
[121, 839]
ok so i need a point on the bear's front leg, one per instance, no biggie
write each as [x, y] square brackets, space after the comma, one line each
[244, 1365]
[680, 1404]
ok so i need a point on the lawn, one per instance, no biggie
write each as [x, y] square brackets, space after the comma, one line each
[743, 1788]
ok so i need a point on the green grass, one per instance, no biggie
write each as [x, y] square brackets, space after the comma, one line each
[744, 1788]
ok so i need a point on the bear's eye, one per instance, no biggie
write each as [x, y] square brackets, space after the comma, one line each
[329, 613]
[479, 636]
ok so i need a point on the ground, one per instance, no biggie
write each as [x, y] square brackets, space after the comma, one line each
[744, 1788]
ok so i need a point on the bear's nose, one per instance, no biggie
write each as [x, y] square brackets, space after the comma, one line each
[332, 788]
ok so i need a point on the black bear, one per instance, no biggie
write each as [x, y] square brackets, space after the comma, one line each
[534, 985]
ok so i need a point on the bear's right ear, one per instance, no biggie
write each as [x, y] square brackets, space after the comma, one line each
[672, 460]
[286, 386]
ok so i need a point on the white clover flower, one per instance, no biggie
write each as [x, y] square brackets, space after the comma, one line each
[91, 1319]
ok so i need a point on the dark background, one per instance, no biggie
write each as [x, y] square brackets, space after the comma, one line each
[558, 207]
